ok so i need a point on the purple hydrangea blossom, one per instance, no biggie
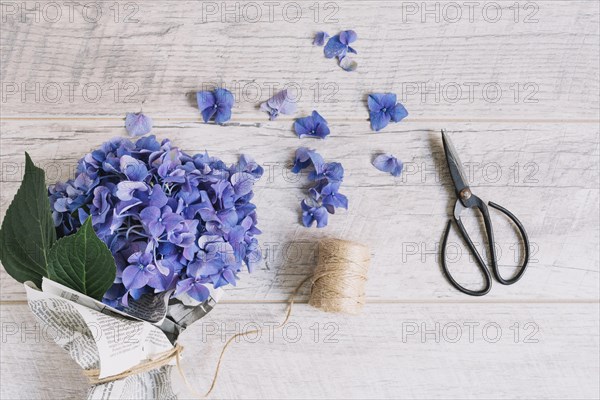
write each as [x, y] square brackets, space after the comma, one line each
[172, 221]
[388, 163]
[324, 196]
[312, 126]
[279, 104]
[217, 104]
[383, 109]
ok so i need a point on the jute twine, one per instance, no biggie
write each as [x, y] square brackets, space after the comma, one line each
[338, 285]
[158, 361]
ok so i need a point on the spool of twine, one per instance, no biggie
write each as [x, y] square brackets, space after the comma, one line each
[339, 280]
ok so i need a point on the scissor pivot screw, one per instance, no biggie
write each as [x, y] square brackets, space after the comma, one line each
[465, 194]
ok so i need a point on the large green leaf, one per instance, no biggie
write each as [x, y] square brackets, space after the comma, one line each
[27, 231]
[82, 262]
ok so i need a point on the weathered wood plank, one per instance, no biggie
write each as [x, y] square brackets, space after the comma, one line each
[495, 154]
[523, 60]
[520, 153]
[401, 219]
[390, 351]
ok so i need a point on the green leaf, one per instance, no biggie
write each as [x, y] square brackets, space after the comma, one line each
[28, 231]
[82, 262]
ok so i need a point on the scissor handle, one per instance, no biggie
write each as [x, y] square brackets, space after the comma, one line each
[476, 202]
[525, 241]
[465, 235]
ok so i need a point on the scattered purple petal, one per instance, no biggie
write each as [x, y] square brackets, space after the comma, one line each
[348, 65]
[320, 38]
[279, 104]
[398, 113]
[388, 163]
[137, 124]
[305, 158]
[347, 37]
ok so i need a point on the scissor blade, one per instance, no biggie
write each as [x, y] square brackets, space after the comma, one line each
[454, 164]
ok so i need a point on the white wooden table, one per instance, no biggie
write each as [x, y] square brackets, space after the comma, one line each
[514, 82]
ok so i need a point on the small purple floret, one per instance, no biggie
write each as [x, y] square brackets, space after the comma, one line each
[215, 105]
[383, 108]
[312, 126]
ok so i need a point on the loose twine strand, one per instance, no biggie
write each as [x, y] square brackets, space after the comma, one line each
[260, 330]
[338, 285]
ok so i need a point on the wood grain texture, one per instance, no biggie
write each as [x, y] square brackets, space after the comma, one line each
[545, 63]
[533, 149]
[400, 351]
[401, 219]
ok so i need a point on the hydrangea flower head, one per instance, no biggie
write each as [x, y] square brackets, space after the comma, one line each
[172, 221]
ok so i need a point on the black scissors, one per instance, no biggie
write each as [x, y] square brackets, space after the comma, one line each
[466, 199]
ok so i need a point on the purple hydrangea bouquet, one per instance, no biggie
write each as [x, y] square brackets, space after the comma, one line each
[143, 234]
[171, 221]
